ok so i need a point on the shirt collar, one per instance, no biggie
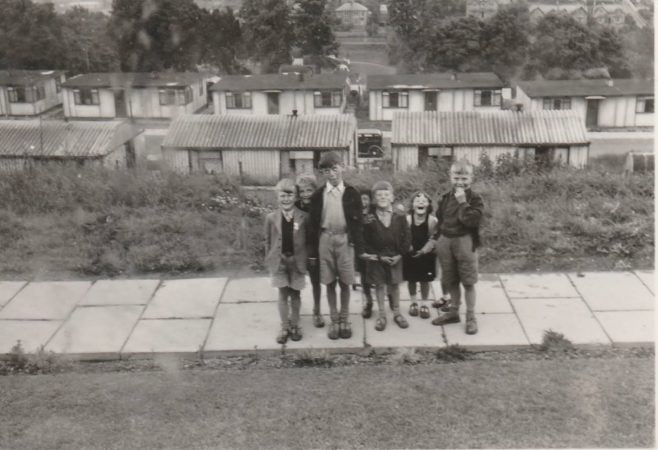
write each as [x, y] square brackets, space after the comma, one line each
[288, 215]
[340, 187]
[387, 210]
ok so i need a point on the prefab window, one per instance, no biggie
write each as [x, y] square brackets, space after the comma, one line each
[327, 99]
[26, 94]
[167, 97]
[557, 103]
[395, 99]
[487, 97]
[58, 85]
[185, 96]
[644, 105]
[238, 100]
[86, 97]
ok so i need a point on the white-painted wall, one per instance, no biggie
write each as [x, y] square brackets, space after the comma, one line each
[51, 99]
[302, 101]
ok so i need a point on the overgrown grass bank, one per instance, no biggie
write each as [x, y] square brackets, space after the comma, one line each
[108, 223]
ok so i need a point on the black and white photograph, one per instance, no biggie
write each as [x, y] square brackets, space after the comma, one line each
[379, 224]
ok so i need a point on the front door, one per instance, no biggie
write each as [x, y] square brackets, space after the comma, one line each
[431, 101]
[120, 104]
[272, 103]
[592, 118]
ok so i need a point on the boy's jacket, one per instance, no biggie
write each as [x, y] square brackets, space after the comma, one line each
[470, 218]
[273, 240]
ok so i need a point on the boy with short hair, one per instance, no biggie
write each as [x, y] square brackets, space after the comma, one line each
[307, 184]
[334, 237]
[285, 231]
[459, 214]
[386, 242]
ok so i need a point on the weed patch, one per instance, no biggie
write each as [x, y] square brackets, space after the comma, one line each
[552, 341]
[453, 353]
[313, 358]
[40, 362]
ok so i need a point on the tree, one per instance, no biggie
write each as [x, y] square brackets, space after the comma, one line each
[506, 39]
[154, 35]
[456, 45]
[222, 40]
[268, 33]
[89, 47]
[30, 36]
[313, 28]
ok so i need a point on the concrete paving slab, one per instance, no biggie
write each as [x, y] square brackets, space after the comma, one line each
[648, 277]
[569, 316]
[31, 333]
[191, 298]
[628, 327]
[613, 291]
[46, 300]
[8, 289]
[120, 292]
[256, 289]
[167, 336]
[538, 285]
[491, 297]
[421, 333]
[317, 337]
[495, 332]
[244, 326]
[98, 331]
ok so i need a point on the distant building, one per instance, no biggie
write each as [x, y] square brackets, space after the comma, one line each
[484, 9]
[281, 94]
[134, 95]
[545, 136]
[112, 144]
[432, 92]
[101, 6]
[576, 11]
[29, 92]
[259, 149]
[612, 15]
[352, 13]
[600, 103]
[210, 5]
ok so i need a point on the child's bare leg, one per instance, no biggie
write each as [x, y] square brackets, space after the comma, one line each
[283, 307]
[424, 290]
[455, 298]
[394, 292]
[295, 306]
[331, 299]
[380, 293]
[471, 322]
[344, 301]
[411, 285]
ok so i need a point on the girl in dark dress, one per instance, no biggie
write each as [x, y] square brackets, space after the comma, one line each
[366, 202]
[419, 265]
[386, 239]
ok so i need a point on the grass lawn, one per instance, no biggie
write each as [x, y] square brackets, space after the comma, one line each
[474, 404]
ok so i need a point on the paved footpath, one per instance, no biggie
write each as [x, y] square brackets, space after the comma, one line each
[115, 319]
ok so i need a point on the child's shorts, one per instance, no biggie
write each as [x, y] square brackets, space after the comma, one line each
[459, 262]
[288, 275]
[336, 258]
[378, 273]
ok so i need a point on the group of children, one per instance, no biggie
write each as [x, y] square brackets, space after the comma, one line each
[333, 230]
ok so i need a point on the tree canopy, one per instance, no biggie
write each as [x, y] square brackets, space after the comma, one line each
[313, 23]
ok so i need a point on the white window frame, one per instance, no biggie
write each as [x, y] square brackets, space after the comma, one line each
[238, 100]
[79, 95]
[550, 103]
[402, 99]
[494, 94]
[641, 104]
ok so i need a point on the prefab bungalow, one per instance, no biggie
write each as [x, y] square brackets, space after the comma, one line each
[556, 136]
[259, 149]
[281, 94]
[25, 143]
[134, 95]
[353, 14]
[433, 92]
[600, 103]
[29, 92]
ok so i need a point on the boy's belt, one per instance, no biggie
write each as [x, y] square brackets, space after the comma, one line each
[328, 231]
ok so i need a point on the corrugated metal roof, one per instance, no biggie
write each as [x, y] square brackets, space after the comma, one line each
[488, 128]
[447, 80]
[291, 81]
[581, 88]
[26, 77]
[135, 79]
[261, 131]
[57, 139]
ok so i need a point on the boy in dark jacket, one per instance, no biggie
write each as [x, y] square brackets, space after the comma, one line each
[334, 237]
[459, 215]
